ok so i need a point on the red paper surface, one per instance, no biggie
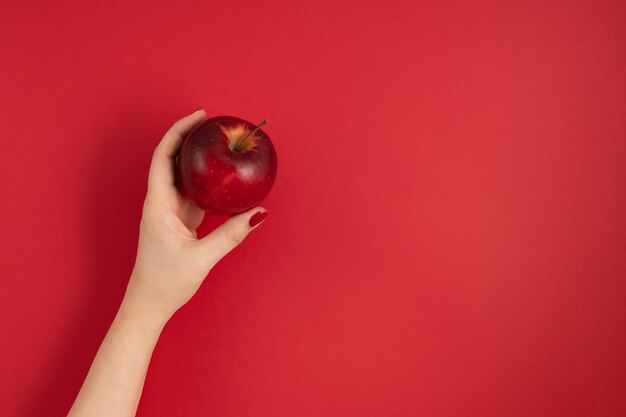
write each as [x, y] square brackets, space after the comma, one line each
[446, 234]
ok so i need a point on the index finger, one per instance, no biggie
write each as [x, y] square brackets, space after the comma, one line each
[162, 166]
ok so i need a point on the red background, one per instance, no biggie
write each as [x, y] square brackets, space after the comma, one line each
[446, 234]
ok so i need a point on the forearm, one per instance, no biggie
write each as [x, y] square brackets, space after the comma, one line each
[115, 380]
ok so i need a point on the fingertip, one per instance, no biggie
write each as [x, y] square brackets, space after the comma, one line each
[230, 234]
[260, 214]
[199, 111]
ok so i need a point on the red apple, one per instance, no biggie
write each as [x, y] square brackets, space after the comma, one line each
[226, 165]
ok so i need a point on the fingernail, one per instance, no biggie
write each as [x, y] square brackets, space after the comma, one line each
[197, 110]
[257, 218]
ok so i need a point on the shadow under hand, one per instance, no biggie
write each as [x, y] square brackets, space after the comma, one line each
[113, 201]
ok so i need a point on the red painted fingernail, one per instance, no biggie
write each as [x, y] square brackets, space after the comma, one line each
[257, 218]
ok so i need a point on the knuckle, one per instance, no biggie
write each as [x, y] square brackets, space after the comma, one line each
[233, 237]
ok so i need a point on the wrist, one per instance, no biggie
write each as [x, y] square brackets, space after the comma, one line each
[139, 309]
[132, 316]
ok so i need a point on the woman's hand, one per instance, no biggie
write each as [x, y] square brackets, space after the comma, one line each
[171, 261]
[171, 264]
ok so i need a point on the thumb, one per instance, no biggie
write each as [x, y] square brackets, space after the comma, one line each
[231, 233]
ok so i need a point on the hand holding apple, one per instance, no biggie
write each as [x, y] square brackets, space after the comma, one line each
[171, 260]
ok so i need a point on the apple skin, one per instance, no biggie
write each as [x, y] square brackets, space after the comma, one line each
[219, 177]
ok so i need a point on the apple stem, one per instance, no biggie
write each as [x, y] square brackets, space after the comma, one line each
[243, 142]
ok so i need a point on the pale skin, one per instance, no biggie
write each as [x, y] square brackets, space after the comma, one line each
[170, 266]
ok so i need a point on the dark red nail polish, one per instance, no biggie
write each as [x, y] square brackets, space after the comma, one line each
[257, 218]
